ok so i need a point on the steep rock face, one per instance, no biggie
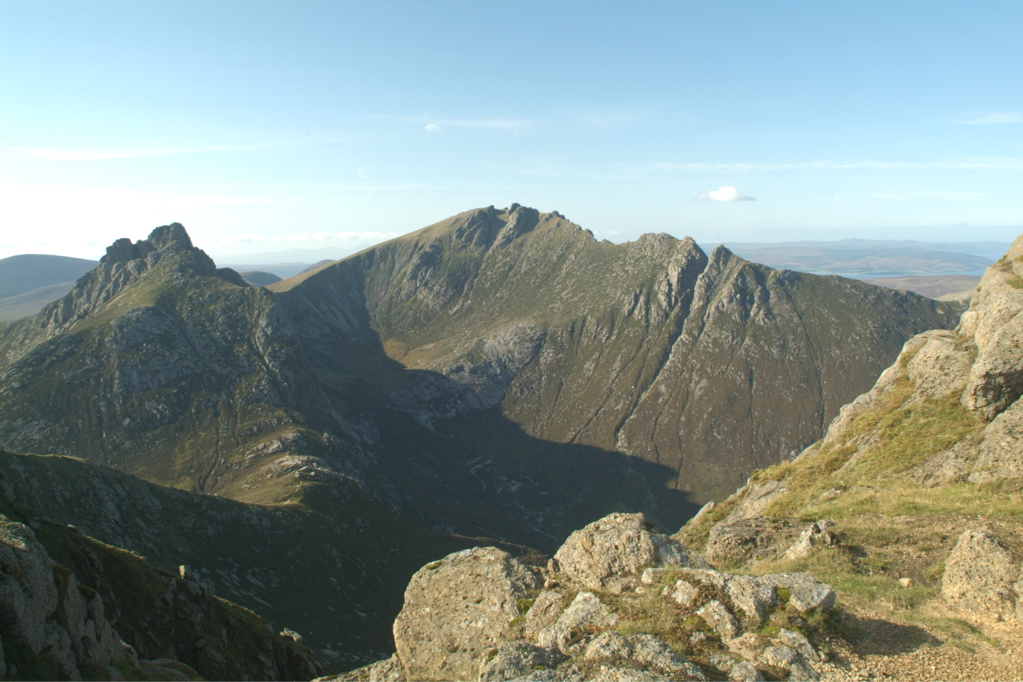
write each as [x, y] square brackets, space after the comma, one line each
[56, 626]
[994, 323]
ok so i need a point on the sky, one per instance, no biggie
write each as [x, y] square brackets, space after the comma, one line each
[267, 126]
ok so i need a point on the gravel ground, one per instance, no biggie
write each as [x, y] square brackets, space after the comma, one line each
[893, 651]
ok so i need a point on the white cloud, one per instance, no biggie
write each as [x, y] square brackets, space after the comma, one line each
[996, 118]
[432, 127]
[726, 193]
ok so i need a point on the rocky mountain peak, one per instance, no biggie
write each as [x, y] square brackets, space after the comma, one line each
[171, 237]
[126, 266]
[720, 254]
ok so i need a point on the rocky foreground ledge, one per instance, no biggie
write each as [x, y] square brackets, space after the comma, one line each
[617, 602]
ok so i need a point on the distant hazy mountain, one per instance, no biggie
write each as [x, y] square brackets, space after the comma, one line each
[864, 257]
[284, 263]
[30, 281]
[941, 287]
[281, 269]
[31, 302]
[258, 278]
[19, 274]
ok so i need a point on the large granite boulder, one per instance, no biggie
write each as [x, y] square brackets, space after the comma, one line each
[482, 615]
[617, 546]
[981, 581]
[459, 608]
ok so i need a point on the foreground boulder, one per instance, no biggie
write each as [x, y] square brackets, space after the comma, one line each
[981, 580]
[618, 602]
[457, 609]
[618, 546]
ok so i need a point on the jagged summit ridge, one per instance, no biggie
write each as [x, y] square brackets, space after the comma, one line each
[164, 238]
[124, 265]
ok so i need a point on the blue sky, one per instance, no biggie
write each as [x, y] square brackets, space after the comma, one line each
[263, 126]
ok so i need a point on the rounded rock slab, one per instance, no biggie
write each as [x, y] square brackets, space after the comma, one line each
[616, 546]
[457, 609]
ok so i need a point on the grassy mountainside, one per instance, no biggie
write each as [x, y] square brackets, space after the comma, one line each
[932, 451]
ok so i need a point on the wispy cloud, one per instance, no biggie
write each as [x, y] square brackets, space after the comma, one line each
[436, 124]
[727, 193]
[926, 195]
[602, 119]
[78, 155]
[560, 167]
[509, 124]
[994, 118]
[983, 163]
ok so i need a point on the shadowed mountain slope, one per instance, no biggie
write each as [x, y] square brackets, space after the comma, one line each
[329, 576]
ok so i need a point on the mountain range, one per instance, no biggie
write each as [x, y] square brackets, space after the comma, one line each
[501, 374]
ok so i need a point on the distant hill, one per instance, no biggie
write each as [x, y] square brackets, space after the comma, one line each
[317, 265]
[941, 287]
[259, 278]
[283, 270]
[31, 302]
[30, 281]
[19, 274]
[864, 258]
